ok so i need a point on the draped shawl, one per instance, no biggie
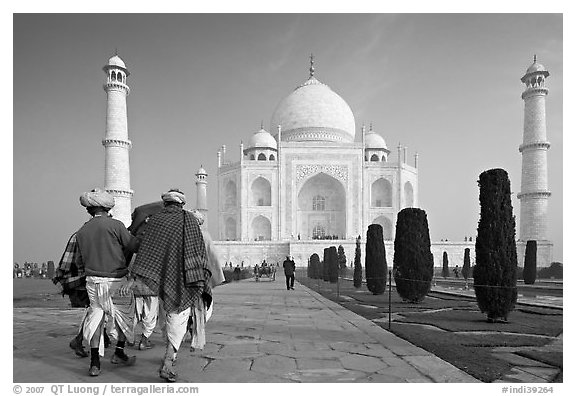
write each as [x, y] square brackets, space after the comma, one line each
[172, 261]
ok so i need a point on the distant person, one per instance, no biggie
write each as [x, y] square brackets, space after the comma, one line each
[456, 271]
[102, 242]
[237, 272]
[289, 269]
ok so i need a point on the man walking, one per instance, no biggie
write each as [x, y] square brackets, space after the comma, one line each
[71, 277]
[102, 242]
[289, 268]
[172, 262]
[146, 301]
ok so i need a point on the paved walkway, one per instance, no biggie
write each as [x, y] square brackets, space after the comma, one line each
[259, 332]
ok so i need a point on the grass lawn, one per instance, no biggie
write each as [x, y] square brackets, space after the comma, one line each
[453, 328]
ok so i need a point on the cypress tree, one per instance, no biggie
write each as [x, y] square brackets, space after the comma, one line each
[496, 261]
[375, 264]
[529, 273]
[326, 265]
[466, 266]
[314, 264]
[333, 267]
[445, 269]
[357, 265]
[341, 257]
[413, 260]
[51, 269]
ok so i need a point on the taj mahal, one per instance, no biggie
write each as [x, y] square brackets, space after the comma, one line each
[312, 180]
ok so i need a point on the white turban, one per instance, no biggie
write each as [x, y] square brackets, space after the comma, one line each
[97, 197]
[198, 215]
[174, 196]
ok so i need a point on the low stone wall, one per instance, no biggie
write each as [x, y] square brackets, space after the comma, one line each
[275, 252]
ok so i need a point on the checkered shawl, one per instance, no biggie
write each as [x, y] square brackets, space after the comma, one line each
[172, 260]
[70, 272]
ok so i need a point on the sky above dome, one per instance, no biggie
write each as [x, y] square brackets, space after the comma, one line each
[445, 85]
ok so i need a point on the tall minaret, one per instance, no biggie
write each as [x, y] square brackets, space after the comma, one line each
[201, 201]
[116, 143]
[534, 193]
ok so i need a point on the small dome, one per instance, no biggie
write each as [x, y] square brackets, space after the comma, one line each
[374, 141]
[263, 139]
[535, 67]
[202, 171]
[116, 61]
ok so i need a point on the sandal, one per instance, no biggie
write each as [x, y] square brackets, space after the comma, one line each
[168, 374]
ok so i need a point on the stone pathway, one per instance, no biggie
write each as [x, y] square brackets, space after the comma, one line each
[259, 332]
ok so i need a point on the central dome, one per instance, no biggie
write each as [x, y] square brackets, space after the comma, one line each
[313, 112]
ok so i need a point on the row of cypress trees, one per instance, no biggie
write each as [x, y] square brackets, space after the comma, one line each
[495, 247]
[328, 269]
[496, 261]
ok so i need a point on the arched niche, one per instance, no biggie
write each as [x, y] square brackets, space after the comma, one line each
[261, 192]
[230, 229]
[261, 229]
[381, 194]
[230, 195]
[386, 226]
[321, 205]
[408, 195]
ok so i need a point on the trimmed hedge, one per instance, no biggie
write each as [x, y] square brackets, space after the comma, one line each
[375, 264]
[314, 266]
[341, 257]
[445, 269]
[555, 271]
[496, 260]
[529, 272]
[333, 266]
[357, 265]
[326, 265]
[245, 273]
[413, 260]
[466, 266]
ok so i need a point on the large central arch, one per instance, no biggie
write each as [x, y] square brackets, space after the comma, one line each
[321, 205]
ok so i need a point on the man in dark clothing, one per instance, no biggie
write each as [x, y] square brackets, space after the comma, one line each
[172, 262]
[289, 268]
[102, 243]
[72, 279]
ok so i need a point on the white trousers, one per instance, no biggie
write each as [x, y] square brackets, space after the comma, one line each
[146, 313]
[105, 300]
[176, 327]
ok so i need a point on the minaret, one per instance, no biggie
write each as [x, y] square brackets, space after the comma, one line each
[534, 193]
[201, 201]
[116, 143]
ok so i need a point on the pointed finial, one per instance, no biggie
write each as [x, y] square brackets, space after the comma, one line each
[262, 124]
[370, 126]
[534, 58]
[116, 51]
[311, 65]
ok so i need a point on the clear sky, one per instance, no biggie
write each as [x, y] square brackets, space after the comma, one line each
[444, 85]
